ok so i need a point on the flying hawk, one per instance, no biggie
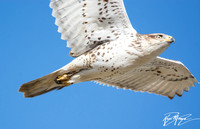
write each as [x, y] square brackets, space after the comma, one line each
[109, 50]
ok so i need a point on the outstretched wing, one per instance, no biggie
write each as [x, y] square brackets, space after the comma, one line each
[161, 76]
[88, 23]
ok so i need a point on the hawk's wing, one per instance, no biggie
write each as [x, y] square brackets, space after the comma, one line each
[161, 76]
[88, 23]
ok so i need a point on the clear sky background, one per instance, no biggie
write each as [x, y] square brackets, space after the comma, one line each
[31, 47]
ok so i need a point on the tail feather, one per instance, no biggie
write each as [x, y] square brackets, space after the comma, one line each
[41, 86]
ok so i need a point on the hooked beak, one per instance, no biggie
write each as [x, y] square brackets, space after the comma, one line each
[170, 39]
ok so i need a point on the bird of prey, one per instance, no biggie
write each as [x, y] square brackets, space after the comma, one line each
[110, 51]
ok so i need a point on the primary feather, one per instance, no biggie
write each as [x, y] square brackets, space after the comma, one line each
[88, 23]
[160, 76]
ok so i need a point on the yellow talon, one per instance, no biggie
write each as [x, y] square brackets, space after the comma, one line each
[63, 79]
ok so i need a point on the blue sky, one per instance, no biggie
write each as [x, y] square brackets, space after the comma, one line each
[31, 47]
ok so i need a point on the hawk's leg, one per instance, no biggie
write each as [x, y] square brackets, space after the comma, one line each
[73, 77]
[63, 79]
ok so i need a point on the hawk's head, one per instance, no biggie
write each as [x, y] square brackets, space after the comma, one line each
[159, 38]
[155, 43]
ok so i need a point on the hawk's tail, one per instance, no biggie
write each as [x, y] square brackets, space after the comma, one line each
[42, 85]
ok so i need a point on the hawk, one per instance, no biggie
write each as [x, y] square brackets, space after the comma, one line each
[110, 51]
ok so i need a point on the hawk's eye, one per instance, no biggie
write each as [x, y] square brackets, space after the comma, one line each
[159, 36]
